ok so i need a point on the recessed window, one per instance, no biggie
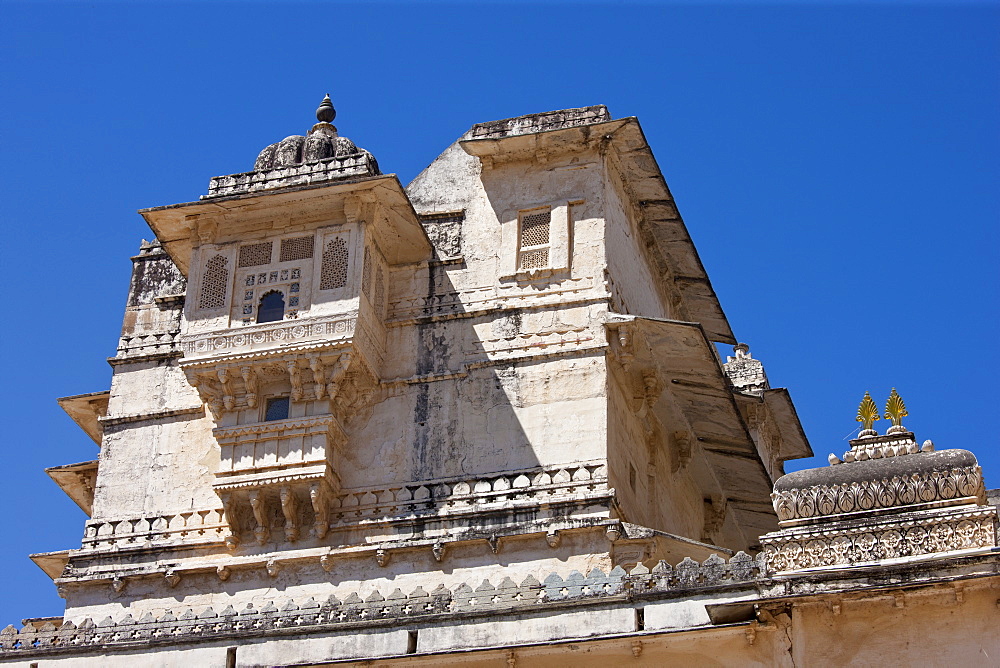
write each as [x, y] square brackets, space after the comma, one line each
[272, 307]
[277, 409]
[533, 239]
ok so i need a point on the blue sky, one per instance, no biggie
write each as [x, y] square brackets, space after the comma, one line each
[837, 167]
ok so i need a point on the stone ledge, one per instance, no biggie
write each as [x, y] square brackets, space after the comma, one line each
[543, 122]
[320, 171]
[376, 609]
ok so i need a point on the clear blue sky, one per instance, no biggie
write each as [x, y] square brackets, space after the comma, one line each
[837, 166]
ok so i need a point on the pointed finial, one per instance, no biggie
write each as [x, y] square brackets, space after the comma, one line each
[895, 410]
[867, 415]
[326, 113]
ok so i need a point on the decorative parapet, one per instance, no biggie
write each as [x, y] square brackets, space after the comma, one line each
[443, 497]
[350, 508]
[356, 165]
[887, 500]
[252, 338]
[544, 122]
[361, 609]
[878, 540]
[142, 345]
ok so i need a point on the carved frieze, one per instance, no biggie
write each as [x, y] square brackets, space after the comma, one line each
[868, 495]
[253, 337]
[912, 535]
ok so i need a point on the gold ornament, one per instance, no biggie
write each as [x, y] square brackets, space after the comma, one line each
[867, 412]
[895, 409]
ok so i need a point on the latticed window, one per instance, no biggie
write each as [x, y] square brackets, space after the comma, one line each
[299, 248]
[533, 242]
[366, 274]
[277, 409]
[333, 273]
[214, 282]
[254, 255]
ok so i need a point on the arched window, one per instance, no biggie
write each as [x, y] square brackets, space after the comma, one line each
[272, 307]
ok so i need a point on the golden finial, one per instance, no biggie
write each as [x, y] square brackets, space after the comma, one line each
[867, 412]
[895, 409]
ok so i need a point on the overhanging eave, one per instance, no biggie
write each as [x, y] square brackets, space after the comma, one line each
[177, 225]
[86, 409]
[686, 362]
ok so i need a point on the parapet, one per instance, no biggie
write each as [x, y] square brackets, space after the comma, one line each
[888, 500]
[320, 156]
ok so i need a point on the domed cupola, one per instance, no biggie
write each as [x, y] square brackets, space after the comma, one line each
[321, 155]
[320, 143]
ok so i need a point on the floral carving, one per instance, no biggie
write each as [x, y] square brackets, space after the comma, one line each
[794, 549]
[825, 500]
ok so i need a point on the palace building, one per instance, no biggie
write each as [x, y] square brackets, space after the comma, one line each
[482, 420]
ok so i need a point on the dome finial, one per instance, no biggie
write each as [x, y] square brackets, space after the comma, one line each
[326, 113]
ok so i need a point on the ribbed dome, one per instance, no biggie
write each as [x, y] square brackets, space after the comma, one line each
[319, 144]
[322, 142]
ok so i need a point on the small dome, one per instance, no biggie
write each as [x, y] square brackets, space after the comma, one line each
[322, 142]
[297, 149]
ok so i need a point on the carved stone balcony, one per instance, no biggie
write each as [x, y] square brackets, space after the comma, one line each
[332, 357]
[283, 472]
[279, 464]
[277, 452]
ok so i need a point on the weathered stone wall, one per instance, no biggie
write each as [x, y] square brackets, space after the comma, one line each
[635, 287]
[157, 454]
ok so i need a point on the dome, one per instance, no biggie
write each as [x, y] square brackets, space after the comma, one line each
[321, 142]
[296, 150]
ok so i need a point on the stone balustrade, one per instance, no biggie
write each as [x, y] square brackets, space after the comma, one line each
[154, 343]
[191, 525]
[528, 487]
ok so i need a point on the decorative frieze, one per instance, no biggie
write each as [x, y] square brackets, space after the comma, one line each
[867, 495]
[253, 337]
[910, 535]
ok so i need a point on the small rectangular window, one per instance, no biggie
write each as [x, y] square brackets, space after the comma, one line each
[411, 642]
[534, 239]
[277, 409]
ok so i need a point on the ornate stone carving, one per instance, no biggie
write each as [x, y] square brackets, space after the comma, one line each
[862, 496]
[946, 531]
[744, 372]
